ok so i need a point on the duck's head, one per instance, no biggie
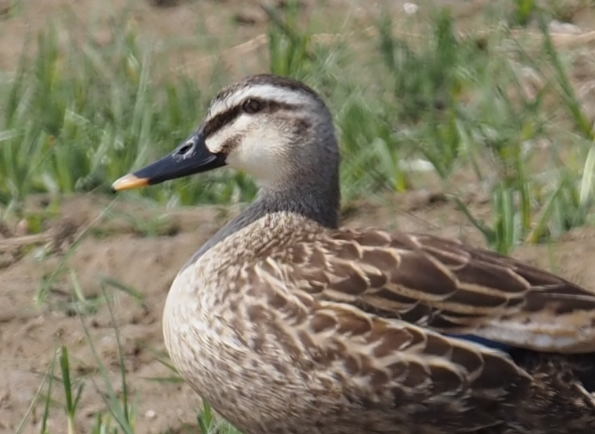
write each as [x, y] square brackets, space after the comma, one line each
[273, 128]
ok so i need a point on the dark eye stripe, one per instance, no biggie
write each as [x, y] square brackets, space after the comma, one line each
[227, 117]
[222, 119]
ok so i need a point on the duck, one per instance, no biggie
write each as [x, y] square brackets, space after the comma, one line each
[287, 323]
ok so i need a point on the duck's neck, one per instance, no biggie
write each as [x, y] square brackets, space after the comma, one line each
[320, 205]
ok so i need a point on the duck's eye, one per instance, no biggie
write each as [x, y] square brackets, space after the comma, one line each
[252, 106]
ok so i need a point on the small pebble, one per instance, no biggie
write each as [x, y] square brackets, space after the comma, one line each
[410, 8]
[416, 165]
[22, 228]
[150, 414]
[559, 27]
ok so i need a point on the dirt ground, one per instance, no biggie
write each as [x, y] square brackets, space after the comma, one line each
[113, 248]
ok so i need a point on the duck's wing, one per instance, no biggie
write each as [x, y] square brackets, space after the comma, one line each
[369, 311]
[444, 286]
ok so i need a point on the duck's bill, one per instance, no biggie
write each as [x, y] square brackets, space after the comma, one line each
[191, 157]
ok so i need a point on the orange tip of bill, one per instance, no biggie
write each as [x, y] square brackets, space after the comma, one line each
[128, 182]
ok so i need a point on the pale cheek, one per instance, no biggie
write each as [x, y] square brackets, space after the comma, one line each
[258, 155]
[215, 142]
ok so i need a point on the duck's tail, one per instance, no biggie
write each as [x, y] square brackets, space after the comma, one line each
[563, 398]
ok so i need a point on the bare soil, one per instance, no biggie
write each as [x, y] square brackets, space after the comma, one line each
[113, 248]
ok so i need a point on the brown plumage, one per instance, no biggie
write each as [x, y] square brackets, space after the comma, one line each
[287, 324]
[446, 286]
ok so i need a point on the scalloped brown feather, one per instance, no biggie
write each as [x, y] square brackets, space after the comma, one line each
[445, 286]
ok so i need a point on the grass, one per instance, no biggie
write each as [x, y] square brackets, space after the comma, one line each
[74, 120]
